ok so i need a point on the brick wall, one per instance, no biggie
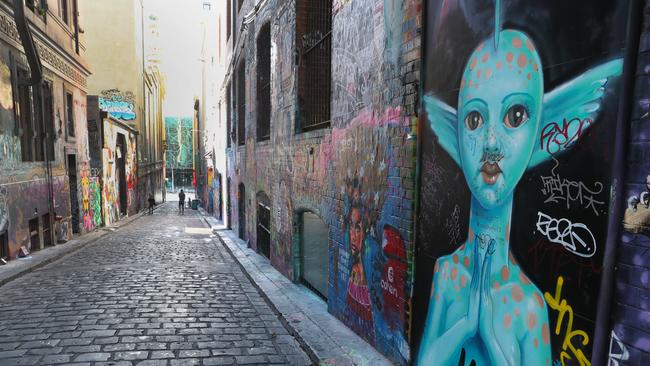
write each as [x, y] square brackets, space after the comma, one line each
[359, 171]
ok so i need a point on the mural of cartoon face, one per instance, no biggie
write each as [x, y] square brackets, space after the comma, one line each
[356, 231]
[479, 291]
[500, 103]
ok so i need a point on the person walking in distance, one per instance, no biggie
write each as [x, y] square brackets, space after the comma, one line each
[152, 203]
[181, 202]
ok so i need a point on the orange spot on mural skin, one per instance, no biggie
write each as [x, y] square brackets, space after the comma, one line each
[521, 60]
[470, 85]
[485, 57]
[516, 42]
[473, 64]
[539, 300]
[499, 65]
[528, 76]
[507, 321]
[505, 300]
[530, 45]
[524, 279]
[455, 258]
[535, 66]
[546, 335]
[531, 321]
[480, 47]
[505, 273]
[512, 258]
[432, 290]
[463, 281]
[476, 86]
[510, 57]
[466, 262]
[535, 343]
[478, 74]
[437, 297]
[488, 73]
[435, 268]
[517, 311]
[462, 247]
[454, 273]
[517, 293]
[446, 265]
[471, 231]
[496, 285]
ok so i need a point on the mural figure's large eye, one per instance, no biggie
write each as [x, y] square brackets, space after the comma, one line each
[473, 120]
[516, 116]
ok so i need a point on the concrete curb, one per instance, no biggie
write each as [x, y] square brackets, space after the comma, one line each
[323, 337]
[18, 268]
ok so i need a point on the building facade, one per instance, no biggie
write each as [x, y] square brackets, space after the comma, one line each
[43, 141]
[409, 160]
[135, 94]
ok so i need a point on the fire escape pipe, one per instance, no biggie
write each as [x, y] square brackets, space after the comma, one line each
[35, 67]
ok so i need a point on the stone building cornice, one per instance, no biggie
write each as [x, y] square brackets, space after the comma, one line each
[52, 56]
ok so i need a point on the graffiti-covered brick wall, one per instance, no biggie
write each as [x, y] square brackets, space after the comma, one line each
[355, 178]
[629, 342]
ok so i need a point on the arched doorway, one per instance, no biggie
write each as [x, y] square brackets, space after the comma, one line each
[314, 252]
[264, 224]
[241, 208]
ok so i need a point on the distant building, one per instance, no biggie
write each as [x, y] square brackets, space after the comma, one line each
[44, 193]
[129, 86]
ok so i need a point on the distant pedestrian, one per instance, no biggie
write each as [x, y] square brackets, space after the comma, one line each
[181, 202]
[152, 203]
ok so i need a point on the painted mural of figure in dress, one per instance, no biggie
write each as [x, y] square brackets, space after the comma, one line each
[357, 293]
[483, 309]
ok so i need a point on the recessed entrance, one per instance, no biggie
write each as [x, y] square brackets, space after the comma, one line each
[314, 243]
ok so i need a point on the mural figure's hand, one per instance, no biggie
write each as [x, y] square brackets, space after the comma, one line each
[474, 304]
[487, 330]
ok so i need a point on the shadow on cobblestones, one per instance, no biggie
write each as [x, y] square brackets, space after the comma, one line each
[158, 292]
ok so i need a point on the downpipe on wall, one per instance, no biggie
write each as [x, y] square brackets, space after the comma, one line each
[35, 80]
[602, 331]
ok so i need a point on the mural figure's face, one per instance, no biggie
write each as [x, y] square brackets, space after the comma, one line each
[500, 104]
[356, 231]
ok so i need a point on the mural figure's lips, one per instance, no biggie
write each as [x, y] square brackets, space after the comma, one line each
[490, 172]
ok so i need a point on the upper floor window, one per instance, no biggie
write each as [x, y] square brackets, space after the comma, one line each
[69, 114]
[264, 83]
[25, 118]
[314, 41]
[241, 102]
[228, 19]
[65, 11]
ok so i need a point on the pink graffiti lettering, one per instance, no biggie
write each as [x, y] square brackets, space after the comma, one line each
[555, 138]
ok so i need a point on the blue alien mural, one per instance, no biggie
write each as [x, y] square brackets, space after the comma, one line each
[483, 309]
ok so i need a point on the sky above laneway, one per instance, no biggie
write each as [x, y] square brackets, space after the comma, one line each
[180, 26]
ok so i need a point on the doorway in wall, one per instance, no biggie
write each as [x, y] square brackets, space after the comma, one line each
[120, 171]
[264, 224]
[74, 197]
[228, 205]
[241, 208]
[314, 263]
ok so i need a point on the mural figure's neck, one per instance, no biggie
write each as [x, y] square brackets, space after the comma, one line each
[487, 224]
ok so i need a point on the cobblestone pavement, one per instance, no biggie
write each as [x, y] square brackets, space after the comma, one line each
[159, 291]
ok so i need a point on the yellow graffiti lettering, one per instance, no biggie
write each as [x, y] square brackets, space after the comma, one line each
[560, 305]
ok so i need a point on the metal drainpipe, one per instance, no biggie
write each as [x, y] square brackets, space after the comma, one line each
[35, 80]
[603, 329]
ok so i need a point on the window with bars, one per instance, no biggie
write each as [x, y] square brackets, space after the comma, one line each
[264, 83]
[241, 102]
[228, 19]
[25, 117]
[229, 130]
[69, 114]
[314, 43]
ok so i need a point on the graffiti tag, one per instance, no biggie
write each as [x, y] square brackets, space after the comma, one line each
[555, 137]
[576, 238]
[557, 189]
[617, 351]
[565, 311]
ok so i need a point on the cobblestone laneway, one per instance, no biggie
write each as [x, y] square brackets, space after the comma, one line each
[159, 291]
